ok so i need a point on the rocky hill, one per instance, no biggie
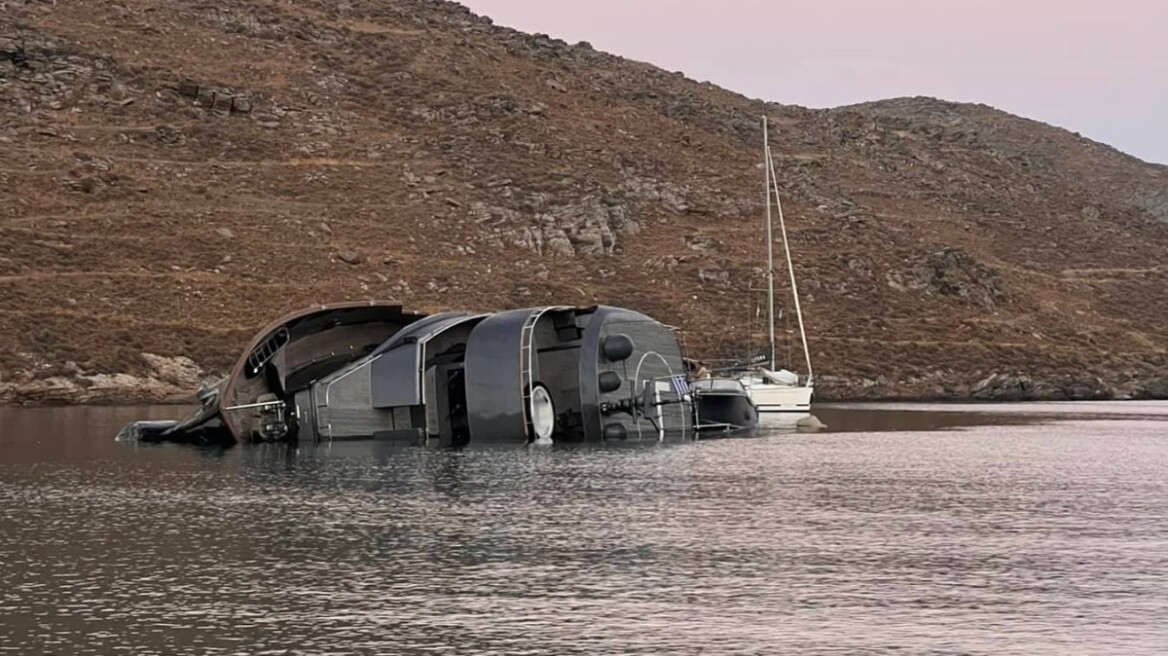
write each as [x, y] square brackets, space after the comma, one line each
[174, 173]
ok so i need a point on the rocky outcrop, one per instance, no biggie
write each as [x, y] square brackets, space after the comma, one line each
[591, 226]
[1004, 387]
[1157, 204]
[1019, 387]
[163, 380]
[954, 273]
[1152, 390]
[1088, 389]
[948, 387]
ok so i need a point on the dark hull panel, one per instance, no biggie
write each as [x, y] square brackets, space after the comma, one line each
[494, 390]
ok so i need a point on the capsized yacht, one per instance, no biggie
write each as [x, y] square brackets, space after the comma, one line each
[374, 371]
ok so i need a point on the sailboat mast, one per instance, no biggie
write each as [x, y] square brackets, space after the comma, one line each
[790, 266]
[770, 270]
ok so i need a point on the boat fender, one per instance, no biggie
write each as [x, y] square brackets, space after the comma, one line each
[610, 381]
[618, 348]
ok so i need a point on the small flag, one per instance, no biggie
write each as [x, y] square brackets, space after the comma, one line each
[680, 384]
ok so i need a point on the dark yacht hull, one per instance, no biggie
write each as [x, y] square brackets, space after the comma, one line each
[373, 371]
[725, 412]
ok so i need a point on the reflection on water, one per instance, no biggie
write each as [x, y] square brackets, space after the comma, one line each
[972, 533]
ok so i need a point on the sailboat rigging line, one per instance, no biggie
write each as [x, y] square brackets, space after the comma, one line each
[787, 333]
[790, 265]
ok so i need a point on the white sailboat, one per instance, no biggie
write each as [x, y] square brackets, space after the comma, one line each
[781, 396]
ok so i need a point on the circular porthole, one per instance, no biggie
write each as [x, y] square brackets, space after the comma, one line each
[543, 413]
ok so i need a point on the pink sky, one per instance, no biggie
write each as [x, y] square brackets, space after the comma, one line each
[1098, 67]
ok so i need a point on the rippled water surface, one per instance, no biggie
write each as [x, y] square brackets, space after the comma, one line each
[1024, 530]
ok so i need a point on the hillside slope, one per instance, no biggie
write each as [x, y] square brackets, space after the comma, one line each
[175, 173]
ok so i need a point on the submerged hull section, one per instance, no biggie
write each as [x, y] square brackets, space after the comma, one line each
[372, 371]
[263, 397]
[566, 374]
[393, 393]
[268, 396]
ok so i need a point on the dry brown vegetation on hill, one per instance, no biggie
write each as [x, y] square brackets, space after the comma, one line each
[173, 173]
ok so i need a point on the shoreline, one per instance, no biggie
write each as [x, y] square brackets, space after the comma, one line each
[127, 390]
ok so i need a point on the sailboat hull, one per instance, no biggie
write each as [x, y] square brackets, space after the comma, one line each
[774, 396]
[789, 404]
